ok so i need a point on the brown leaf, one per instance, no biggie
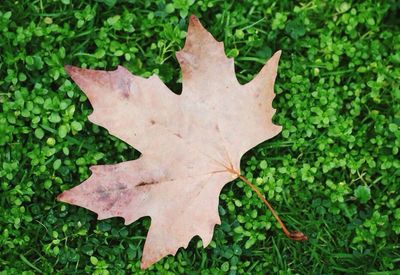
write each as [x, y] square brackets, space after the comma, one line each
[191, 144]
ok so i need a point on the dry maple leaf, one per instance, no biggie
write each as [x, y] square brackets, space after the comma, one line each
[191, 144]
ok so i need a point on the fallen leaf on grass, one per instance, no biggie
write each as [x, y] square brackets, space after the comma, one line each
[191, 144]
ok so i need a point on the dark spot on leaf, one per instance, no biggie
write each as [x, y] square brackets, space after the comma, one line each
[121, 186]
[125, 94]
[103, 193]
[143, 183]
[109, 204]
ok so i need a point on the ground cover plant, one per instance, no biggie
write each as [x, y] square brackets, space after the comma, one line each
[333, 172]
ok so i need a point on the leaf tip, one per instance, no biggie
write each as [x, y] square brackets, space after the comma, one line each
[275, 58]
[61, 197]
[69, 69]
[143, 265]
[278, 128]
[65, 197]
[193, 20]
[195, 25]
[149, 260]
[92, 119]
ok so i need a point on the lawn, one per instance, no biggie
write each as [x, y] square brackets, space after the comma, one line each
[333, 172]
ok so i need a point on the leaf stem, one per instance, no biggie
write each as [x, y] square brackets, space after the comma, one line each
[294, 235]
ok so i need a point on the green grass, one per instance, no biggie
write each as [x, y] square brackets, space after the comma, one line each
[333, 173]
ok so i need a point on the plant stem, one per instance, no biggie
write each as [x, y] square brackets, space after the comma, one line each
[295, 235]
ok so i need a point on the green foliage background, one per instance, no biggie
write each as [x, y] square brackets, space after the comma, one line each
[333, 173]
